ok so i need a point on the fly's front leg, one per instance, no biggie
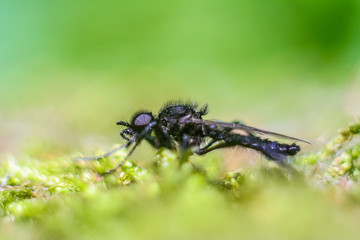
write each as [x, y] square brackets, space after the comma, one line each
[123, 134]
[137, 139]
[108, 154]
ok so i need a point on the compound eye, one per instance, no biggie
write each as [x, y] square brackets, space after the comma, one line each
[142, 119]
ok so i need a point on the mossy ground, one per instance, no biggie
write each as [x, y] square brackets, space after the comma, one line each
[65, 199]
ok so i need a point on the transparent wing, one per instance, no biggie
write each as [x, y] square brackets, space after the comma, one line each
[246, 128]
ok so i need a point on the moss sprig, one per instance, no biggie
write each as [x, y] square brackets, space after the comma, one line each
[334, 148]
[344, 137]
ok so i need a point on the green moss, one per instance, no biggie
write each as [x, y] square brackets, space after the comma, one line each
[335, 147]
[66, 199]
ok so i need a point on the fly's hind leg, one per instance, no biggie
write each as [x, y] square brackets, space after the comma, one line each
[212, 147]
[253, 143]
[207, 148]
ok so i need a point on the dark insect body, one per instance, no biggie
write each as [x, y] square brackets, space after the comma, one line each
[180, 126]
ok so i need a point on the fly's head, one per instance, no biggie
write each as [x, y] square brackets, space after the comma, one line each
[137, 124]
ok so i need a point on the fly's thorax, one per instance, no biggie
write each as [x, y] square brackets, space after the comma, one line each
[181, 110]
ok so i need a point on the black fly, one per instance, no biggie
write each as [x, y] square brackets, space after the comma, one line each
[180, 126]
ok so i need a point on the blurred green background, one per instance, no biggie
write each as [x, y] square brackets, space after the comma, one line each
[70, 69]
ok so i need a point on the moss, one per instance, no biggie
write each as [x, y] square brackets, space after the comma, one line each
[10, 196]
[66, 199]
[335, 147]
[345, 163]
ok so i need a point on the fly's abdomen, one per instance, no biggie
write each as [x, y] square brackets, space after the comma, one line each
[278, 151]
[270, 149]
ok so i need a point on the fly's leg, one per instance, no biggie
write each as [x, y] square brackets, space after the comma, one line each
[185, 149]
[271, 150]
[211, 143]
[122, 162]
[153, 142]
[202, 151]
[150, 139]
[163, 138]
[137, 139]
[211, 147]
[108, 154]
